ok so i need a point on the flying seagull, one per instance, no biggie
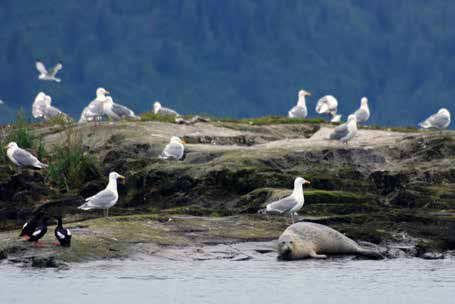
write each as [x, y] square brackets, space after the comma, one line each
[290, 204]
[48, 75]
[439, 120]
[21, 157]
[346, 131]
[106, 198]
[160, 110]
[363, 113]
[174, 149]
[300, 110]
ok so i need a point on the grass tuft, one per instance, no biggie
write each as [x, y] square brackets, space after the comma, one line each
[150, 116]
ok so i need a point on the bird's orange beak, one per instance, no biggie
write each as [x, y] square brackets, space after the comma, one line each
[6, 147]
[184, 142]
[307, 182]
[121, 176]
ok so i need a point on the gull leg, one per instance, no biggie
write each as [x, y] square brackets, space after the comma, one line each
[107, 212]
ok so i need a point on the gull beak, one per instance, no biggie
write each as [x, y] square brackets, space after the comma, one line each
[121, 176]
[308, 93]
[6, 147]
[107, 92]
[306, 182]
[184, 142]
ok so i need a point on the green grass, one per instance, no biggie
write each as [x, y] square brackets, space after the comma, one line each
[71, 166]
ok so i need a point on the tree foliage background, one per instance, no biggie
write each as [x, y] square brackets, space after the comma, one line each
[233, 58]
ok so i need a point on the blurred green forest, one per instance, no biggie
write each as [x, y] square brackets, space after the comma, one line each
[232, 58]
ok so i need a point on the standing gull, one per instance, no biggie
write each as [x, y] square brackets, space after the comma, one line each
[174, 149]
[106, 198]
[48, 75]
[440, 120]
[159, 110]
[346, 131]
[95, 109]
[290, 204]
[117, 111]
[42, 108]
[300, 110]
[363, 113]
[21, 157]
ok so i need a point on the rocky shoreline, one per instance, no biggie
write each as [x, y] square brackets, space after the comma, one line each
[388, 189]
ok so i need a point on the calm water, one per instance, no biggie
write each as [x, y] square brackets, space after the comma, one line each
[222, 281]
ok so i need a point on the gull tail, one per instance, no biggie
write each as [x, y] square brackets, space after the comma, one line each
[163, 156]
[57, 79]
[85, 206]
[424, 125]
[41, 165]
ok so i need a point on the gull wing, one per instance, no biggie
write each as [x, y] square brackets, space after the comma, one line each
[24, 158]
[340, 132]
[174, 150]
[40, 67]
[282, 206]
[55, 69]
[102, 199]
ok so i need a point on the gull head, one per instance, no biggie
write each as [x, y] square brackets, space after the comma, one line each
[11, 145]
[115, 175]
[300, 181]
[364, 101]
[444, 111]
[156, 106]
[176, 139]
[303, 93]
[100, 92]
[109, 100]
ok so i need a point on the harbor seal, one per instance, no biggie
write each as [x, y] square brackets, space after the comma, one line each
[310, 240]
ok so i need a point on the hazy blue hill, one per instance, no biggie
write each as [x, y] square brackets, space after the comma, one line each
[235, 58]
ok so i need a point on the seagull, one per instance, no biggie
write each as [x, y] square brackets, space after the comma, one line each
[42, 108]
[22, 158]
[159, 110]
[106, 198]
[117, 111]
[327, 105]
[292, 203]
[439, 120]
[300, 110]
[363, 113]
[48, 75]
[63, 235]
[346, 131]
[1, 102]
[174, 149]
[95, 109]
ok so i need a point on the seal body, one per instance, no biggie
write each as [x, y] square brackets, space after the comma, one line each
[310, 240]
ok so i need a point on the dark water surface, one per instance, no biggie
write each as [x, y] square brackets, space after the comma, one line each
[223, 281]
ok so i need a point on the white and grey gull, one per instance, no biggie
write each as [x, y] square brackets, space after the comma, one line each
[48, 75]
[290, 204]
[158, 109]
[95, 109]
[174, 149]
[363, 113]
[106, 198]
[117, 111]
[346, 131]
[300, 110]
[22, 158]
[328, 105]
[439, 120]
[42, 108]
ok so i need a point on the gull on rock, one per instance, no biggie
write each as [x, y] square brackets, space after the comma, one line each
[42, 108]
[106, 198]
[327, 105]
[174, 149]
[439, 120]
[160, 110]
[95, 109]
[48, 75]
[290, 204]
[363, 113]
[21, 157]
[117, 111]
[300, 110]
[346, 131]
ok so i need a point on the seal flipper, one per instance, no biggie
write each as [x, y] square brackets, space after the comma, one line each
[313, 254]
